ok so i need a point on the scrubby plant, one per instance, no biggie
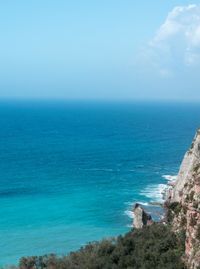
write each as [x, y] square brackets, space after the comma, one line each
[198, 232]
[193, 221]
[191, 196]
[195, 204]
[154, 246]
[184, 207]
[183, 221]
[197, 167]
[172, 210]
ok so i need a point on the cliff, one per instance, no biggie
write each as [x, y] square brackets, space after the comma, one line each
[184, 204]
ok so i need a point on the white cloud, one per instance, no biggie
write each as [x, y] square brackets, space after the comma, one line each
[176, 44]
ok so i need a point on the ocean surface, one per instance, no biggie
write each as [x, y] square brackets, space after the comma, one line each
[70, 172]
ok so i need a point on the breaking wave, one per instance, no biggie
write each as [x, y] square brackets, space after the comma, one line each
[154, 192]
[170, 177]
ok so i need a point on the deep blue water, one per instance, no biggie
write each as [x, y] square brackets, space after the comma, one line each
[70, 171]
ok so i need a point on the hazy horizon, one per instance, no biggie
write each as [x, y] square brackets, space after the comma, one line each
[100, 51]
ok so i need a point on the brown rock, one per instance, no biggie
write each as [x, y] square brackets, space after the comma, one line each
[141, 217]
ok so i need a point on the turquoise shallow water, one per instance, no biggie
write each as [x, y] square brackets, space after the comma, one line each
[70, 171]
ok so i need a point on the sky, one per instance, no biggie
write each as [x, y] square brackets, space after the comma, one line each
[108, 49]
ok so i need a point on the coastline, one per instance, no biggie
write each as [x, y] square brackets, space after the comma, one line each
[158, 194]
[182, 205]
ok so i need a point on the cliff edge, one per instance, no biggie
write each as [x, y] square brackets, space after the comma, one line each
[183, 204]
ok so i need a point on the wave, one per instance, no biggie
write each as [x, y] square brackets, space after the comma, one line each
[135, 202]
[155, 192]
[129, 213]
[170, 177]
[143, 203]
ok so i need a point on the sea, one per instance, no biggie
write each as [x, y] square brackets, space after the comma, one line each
[71, 171]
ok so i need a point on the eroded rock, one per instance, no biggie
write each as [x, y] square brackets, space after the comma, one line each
[184, 202]
[141, 217]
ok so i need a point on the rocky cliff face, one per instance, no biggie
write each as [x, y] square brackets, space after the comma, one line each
[184, 204]
[190, 161]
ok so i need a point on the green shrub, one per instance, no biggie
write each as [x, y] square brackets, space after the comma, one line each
[154, 246]
[198, 232]
[172, 210]
[191, 195]
[196, 168]
[175, 207]
[183, 221]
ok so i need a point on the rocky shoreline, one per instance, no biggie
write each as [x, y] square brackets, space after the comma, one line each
[182, 205]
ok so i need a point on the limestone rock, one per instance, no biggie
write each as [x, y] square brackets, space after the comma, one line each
[184, 198]
[190, 161]
[141, 217]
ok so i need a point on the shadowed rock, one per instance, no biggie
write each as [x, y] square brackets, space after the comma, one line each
[141, 217]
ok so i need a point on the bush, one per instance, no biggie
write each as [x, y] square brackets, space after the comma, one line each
[154, 246]
[173, 209]
[198, 233]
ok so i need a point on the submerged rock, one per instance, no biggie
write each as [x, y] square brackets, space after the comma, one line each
[141, 217]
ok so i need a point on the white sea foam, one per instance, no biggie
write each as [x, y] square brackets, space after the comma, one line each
[169, 177]
[135, 202]
[155, 192]
[143, 203]
[128, 203]
[129, 213]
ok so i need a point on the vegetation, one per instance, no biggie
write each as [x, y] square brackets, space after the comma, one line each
[154, 246]
[197, 167]
[172, 210]
[198, 233]
[192, 193]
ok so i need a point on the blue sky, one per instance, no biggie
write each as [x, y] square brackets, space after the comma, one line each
[100, 49]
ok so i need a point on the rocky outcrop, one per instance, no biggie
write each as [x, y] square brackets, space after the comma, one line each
[184, 204]
[190, 161]
[141, 217]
